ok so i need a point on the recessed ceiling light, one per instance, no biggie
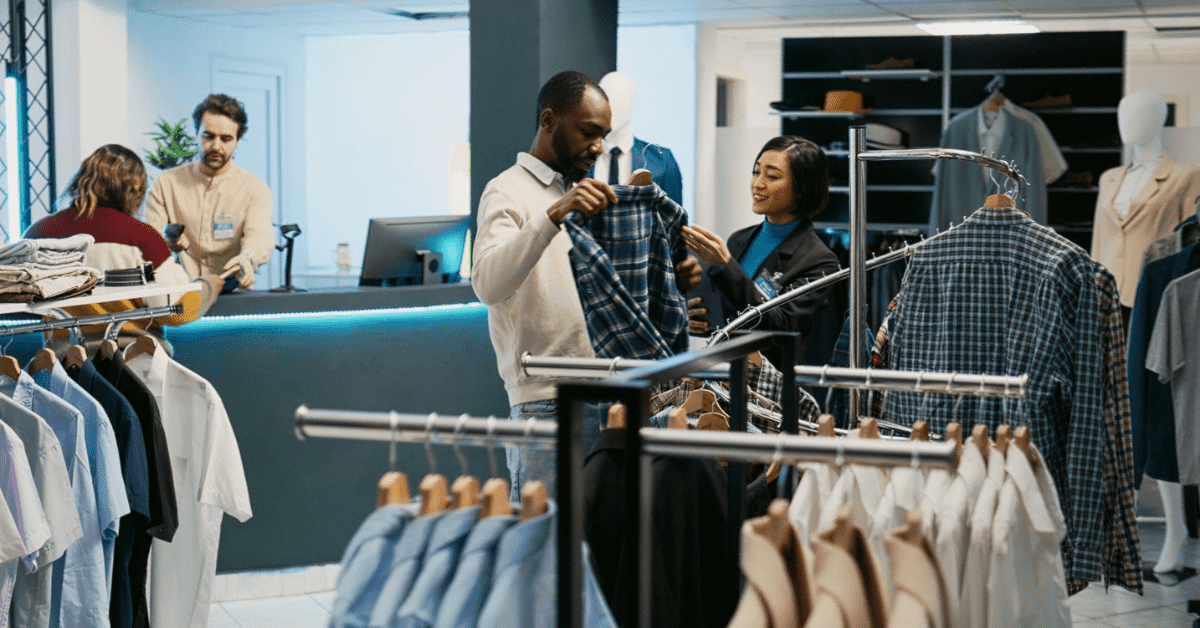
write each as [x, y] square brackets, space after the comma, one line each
[981, 27]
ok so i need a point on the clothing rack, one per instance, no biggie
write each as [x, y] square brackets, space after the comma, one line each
[632, 388]
[95, 319]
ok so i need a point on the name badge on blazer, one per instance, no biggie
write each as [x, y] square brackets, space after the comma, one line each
[768, 285]
[222, 230]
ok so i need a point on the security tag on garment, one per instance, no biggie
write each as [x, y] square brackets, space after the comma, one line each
[222, 230]
[768, 285]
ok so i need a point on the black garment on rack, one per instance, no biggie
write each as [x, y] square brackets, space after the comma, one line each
[131, 448]
[164, 513]
[693, 584]
[800, 257]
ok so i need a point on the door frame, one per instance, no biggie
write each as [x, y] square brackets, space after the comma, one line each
[278, 71]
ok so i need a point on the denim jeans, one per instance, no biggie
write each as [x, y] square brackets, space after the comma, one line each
[526, 464]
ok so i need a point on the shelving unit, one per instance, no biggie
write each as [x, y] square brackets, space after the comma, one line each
[99, 294]
[948, 78]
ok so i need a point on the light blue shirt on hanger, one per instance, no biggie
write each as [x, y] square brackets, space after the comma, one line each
[473, 579]
[525, 582]
[442, 555]
[366, 564]
[403, 570]
[103, 457]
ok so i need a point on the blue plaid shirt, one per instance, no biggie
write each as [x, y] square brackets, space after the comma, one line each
[623, 261]
[1003, 295]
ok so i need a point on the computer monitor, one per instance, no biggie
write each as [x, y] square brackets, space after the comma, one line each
[391, 256]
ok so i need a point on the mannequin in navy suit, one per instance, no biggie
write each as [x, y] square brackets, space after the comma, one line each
[634, 153]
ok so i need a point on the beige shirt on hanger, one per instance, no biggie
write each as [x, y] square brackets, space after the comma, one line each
[849, 585]
[1169, 196]
[921, 599]
[778, 593]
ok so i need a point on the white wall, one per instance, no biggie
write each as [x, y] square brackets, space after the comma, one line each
[662, 62]
[1178, 82]
[171, 70]
[383, 113]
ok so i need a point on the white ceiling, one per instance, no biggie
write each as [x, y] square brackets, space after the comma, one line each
[325, 17]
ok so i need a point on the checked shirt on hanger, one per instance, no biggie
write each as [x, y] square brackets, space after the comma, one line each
[624, 264]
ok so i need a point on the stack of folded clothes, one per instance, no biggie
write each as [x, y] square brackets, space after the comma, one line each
[41, 269]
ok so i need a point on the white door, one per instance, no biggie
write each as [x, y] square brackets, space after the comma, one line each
[258, 87]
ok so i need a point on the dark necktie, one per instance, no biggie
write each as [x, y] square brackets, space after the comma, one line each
[614, 172]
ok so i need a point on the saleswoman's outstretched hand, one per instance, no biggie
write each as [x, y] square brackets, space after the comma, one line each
[707, 245]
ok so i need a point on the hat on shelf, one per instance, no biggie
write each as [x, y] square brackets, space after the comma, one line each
[884, 136]
[844, 100]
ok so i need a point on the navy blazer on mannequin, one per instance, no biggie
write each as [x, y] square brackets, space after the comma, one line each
[661, 163]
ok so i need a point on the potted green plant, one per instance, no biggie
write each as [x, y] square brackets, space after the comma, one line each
[172, 145]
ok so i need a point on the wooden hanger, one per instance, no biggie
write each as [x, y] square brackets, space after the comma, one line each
[434, 497]
[997, 201]
[842, 532]
[495, 499]
[699, 401]
[1021, 439]
[868, 428]
[713, 422]
[979, 438]
[144, 344]
[464, 492]
[1003, 436]
[534, 500]
[76, 357]
[825, 425]
[10, 367]
[616, 416]
[43, 360]
[954, 434]
[912, 527]
[677, 419]
[108, 349]
[393, 490]
[641, 176]
[920, 431]
[775, 527]
[993, 102]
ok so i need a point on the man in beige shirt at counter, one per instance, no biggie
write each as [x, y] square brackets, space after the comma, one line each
[226, 211]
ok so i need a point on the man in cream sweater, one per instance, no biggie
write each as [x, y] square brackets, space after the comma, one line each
[521, 270]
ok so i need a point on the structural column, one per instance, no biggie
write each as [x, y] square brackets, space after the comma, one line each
[516, 45]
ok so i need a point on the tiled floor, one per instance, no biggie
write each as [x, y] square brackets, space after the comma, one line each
[1160, 607]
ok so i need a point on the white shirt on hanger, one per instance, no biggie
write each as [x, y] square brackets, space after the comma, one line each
[813, 491]
[954, 512]
[973, 592]
[902, 494]
[860, 486]
[936, 483]
[991, 131]
[209, 481]
[1135, 179]
[1026, 560]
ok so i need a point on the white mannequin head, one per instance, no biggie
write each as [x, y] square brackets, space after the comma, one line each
[1141, 116]
[621, 92]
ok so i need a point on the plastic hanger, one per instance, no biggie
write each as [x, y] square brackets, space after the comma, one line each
[465, 490]
[616, 416]
[494, 493]
[143, 345]
[641, 176]
[1021, 440]
[393, 486]
[534, 500]
[43, 360]
[434, 496]
[979, 438]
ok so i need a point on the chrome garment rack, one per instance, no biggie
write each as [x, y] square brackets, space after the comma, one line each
[632, 388]
[95, 319]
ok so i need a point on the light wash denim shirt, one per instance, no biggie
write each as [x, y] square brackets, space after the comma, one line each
[23, 503]
[103, 457]
[437, 568]
[525, 582]
[79, 593]
[404, 568]
[473, 578]
[366, 564]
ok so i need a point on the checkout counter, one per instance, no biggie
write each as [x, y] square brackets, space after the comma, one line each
[414, 349]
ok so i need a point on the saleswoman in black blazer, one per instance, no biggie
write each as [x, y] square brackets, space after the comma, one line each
[790, 187]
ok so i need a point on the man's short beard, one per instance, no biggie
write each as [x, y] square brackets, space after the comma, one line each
[566, 161]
